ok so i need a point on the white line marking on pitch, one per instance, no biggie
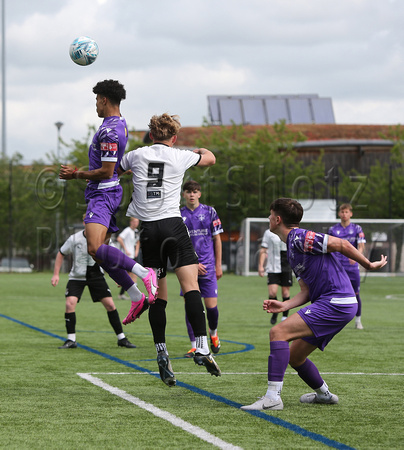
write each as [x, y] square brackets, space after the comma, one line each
[250, 373]
[176, 421]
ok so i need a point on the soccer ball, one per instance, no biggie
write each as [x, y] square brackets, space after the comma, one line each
[83, 51]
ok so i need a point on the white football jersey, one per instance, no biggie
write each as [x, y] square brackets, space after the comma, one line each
[274, 246]
[158, 172]
[76, 245]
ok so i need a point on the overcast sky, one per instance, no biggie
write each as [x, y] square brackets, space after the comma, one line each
[171, 55]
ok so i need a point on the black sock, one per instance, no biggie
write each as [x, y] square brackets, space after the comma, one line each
[285, 313]
[158, 320]
[115, 321]
[274, 314]
[195, 312]
[70, 321]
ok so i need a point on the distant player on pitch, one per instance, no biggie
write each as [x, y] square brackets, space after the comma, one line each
[204, 228]
[355, 235]
[277, 268]
[85, 272]
[325, 284]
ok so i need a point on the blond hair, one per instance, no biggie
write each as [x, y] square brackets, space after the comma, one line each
[164, 127]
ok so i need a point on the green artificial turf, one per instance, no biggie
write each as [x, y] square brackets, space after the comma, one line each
[45, 404]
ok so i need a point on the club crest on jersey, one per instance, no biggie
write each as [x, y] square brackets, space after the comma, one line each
[111, 147]
[309, 241]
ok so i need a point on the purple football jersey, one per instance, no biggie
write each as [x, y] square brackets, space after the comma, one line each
[108, 144]
[321, 271]
[203, 223]
[352, 233]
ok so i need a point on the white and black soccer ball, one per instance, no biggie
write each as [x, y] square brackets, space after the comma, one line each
[83, 51]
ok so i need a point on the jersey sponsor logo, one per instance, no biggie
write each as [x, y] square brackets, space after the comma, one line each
[153, 194]
[199, 232]
[109, 147]
[217, 223]
[309, 241]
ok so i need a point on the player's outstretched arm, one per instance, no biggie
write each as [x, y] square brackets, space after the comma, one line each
[105, 172]
[346, 248]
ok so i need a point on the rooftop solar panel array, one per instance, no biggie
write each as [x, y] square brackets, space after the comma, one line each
[269, 109]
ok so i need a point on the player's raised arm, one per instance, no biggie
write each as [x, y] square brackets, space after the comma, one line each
[343, 246]
[207, 157]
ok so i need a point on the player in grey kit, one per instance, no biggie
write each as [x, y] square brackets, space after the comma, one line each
[325, 283]
[85, 272]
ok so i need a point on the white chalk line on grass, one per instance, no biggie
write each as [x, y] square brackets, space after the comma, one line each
[252, 373]
[174, 420]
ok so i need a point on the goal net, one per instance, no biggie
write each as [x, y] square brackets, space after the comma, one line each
[383, 236]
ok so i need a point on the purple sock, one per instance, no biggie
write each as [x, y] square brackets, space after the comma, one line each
[309, 373]
[359, 312]
[112, 262]
[113, 258]
[189, 328]
[212, 315]
[278, 360]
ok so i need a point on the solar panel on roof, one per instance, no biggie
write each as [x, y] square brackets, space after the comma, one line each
[253, 111]
[322, 110]
[269, 109]
[300, 111]
[277, 110]
[230, 111]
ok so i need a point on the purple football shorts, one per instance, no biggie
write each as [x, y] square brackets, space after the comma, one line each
[326, 319]
[102, 207]
[207, 285]
[355, 277]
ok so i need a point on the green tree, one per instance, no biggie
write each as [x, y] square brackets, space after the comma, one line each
[251, 171]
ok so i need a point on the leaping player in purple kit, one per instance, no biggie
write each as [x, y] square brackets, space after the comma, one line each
[103, 196]
[355, 235]
[322, 281]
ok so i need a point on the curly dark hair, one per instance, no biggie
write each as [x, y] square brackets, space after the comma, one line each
[113, 90]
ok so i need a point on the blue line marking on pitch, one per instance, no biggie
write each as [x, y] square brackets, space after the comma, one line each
[261, 415]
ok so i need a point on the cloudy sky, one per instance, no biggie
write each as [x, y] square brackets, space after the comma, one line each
[171, 55]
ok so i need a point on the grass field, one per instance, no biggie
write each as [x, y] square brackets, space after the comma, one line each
[102, 396]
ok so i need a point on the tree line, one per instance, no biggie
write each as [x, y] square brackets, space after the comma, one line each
[38, 211]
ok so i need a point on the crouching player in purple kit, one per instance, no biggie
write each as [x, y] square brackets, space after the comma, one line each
[103, 195]
[325, 283]
[204, 228]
